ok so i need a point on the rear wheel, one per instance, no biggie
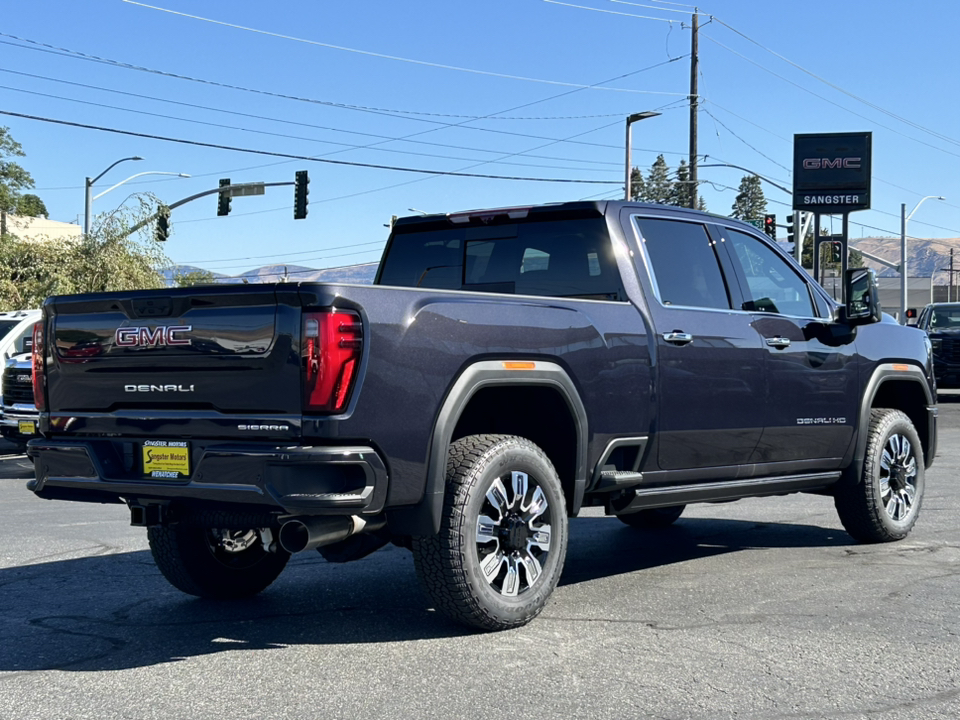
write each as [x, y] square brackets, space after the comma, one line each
[653, 517]
[221, 564]
[882, 502]
[503, 534]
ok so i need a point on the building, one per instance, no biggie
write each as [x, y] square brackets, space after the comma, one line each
[35, 228]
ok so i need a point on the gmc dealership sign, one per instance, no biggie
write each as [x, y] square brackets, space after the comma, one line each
[831, 173]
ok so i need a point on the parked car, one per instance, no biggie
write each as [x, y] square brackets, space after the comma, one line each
[941, 322]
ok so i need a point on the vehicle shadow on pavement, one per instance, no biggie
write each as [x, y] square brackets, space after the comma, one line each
[618, 549]
[116, 611]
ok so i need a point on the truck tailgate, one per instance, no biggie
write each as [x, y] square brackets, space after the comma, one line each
[228, 356]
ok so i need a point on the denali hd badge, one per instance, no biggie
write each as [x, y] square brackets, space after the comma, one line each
[160, 336]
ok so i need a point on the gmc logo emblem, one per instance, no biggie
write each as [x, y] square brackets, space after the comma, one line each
[852, 163]
[160, 336]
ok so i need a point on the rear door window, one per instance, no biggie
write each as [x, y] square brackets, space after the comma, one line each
[683, 261]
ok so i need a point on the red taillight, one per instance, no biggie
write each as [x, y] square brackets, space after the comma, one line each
[39, 381]
[332, 341]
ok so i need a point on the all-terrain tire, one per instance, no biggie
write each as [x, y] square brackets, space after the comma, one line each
[653, 517]
[192, 560]
[881, 503]
[503, 534]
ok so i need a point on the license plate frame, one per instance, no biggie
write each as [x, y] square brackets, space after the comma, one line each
[27, 427]
[165, 459]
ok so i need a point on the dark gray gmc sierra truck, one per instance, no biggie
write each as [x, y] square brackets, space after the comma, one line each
[507, 368]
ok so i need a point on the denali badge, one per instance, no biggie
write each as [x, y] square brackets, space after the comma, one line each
[160, 336]
[158, 388]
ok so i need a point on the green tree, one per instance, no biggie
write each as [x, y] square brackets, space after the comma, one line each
[659, 188]
[683, 187]
[854, 258]
[194, 277]
[109, 258]
[13, 178]
[31, 205]
[637, 185]
[750, 204]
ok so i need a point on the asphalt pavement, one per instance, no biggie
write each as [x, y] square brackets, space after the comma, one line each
[763, 608]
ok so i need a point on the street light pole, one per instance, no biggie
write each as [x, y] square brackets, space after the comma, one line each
[904, 218]
[149, 172]
[631, 119]
[88, 192]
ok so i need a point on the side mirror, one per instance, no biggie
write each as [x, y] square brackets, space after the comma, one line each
[912, 318]
[863, 297]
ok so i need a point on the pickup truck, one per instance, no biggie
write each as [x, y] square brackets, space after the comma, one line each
[941, 322]
[507, 368]
[18, 415]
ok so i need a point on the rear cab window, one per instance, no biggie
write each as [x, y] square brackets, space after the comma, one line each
[568, 258]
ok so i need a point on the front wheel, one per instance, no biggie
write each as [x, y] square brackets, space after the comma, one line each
[220, 564]
[503, 534]
[882, 503]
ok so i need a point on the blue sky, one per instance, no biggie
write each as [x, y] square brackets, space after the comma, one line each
[520, 88]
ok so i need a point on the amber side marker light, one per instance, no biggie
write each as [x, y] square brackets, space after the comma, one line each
[902, 368]
[519, 366]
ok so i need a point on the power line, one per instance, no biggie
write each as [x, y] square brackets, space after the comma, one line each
[303, 252]
[759, 152]
[349, 146]
[840, 89]
[297, 123]
[608, 12]
[215, 146]
[76, 55]
[827, 100]
[390, 57]
[318, 257]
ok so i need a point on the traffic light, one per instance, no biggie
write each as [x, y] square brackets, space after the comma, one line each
[791, 235]
[770, 225]
[300, 192]
[162, 231]
[223, 200]
[836, 251]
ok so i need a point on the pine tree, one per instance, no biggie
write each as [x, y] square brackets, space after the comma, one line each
[659, 187]
[683, 187]
[637, 185]
[750, 204]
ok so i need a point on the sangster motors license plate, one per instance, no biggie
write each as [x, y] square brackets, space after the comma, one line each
[27, 427]
[166, 459]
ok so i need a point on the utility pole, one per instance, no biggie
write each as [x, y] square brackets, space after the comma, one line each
[694, 71]
[951, 271]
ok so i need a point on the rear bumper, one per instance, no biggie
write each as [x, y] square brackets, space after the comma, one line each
[299, 480]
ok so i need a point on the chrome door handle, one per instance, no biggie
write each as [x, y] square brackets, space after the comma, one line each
[678, 338]
[778, 342]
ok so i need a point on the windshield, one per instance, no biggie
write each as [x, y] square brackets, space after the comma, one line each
[6, 326]
[946, 317]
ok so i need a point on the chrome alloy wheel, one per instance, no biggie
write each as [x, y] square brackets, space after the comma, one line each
[898, 477]
[513, 534]
[233, 541]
